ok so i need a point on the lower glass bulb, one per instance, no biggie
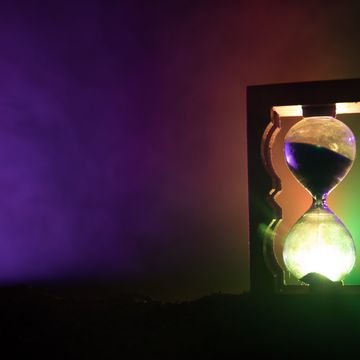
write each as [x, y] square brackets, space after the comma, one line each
[319, 243]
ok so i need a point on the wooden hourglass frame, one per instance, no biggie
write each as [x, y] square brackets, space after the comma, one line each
[266, 104]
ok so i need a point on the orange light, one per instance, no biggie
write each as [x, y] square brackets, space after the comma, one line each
[296, 110]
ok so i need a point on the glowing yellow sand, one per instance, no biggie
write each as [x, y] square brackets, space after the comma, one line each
[319, 243]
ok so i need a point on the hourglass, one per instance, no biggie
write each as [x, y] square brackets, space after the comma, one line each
[319, 151]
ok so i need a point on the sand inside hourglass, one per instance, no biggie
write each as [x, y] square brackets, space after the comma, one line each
[319, 169]
[319, 152]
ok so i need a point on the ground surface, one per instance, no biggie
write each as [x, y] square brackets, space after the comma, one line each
[68, 323]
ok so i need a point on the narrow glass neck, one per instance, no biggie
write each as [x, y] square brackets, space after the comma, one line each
[320, 201]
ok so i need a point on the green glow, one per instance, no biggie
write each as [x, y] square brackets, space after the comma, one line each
[345, 200]
[319, 243]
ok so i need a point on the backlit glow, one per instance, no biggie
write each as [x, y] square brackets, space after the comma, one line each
[296, 110]
[319, 243]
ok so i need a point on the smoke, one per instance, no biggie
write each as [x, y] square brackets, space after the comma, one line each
[123, 134]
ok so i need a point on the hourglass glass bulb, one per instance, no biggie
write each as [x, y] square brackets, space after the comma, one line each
[319, 243]
[319, 151]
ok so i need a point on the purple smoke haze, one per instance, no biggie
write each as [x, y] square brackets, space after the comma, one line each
[122, 134]
[71, 155]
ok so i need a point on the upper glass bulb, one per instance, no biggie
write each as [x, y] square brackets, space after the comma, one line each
[320, 151]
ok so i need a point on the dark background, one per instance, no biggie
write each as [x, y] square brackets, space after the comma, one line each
[122, 133]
